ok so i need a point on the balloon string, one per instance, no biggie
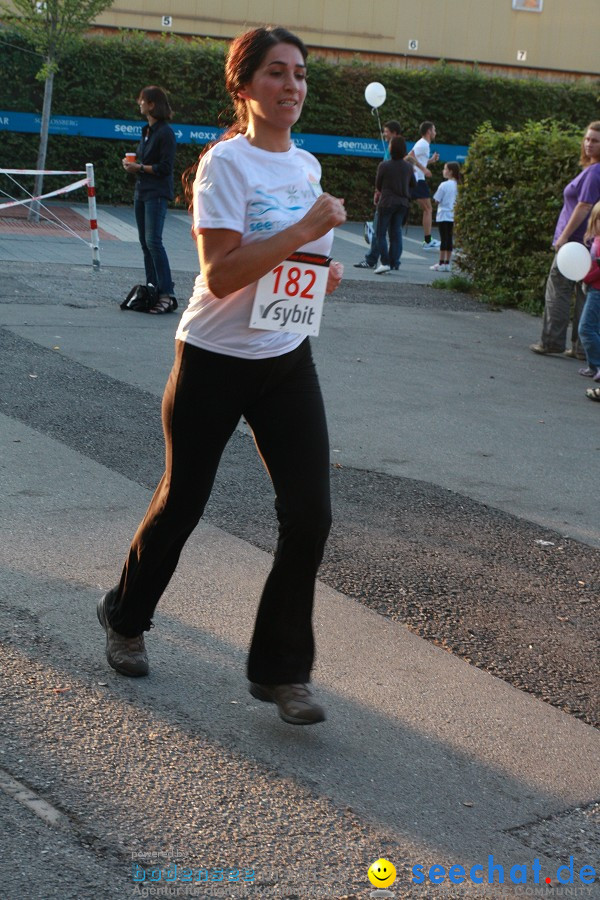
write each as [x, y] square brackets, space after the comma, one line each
[375, 112]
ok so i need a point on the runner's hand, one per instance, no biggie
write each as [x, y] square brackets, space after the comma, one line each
[334, 276]
[326, 213]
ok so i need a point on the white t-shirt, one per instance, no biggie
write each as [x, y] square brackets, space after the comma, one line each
[256, 193]
[421, 152]
[446, 198]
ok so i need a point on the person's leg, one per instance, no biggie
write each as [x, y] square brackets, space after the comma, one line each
[440, 264]
[580, 299]
[372, 256]
[445, 229]
[589, 329]
[395, 232]
[201, 408]
[425, 204]
[442, 230]
[290, 430]
[384, 215]
[449, 241]
[557, 311]
[156, 210]
[402, 217]
[139, 208]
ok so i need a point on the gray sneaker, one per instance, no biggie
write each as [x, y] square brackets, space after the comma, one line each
[126, 655]
[295, 702]
[543, 350]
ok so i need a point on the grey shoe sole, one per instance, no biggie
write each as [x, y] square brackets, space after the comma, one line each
[259, 693]
[114, 665]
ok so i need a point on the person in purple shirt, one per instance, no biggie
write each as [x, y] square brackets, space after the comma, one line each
[580, 195]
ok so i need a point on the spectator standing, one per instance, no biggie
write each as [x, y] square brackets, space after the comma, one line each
[580, 195]
[394, 183]
[391, 129]
[153, 190]
[445, 197]
[589, 323]
[421, 160]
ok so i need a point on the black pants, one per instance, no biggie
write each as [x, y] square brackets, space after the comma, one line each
[205, 396]
[446, 229]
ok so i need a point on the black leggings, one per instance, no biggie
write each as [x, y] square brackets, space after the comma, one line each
[446, 229]
[205, 396]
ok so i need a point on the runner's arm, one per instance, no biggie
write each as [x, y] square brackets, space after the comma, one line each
[228, 266]
[579, 215]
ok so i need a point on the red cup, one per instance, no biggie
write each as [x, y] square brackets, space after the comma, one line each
[130, 157]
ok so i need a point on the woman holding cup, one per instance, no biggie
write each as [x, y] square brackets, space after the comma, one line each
[153, 165]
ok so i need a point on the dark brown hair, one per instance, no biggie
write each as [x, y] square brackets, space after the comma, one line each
[245, 55]
[157, 96]
[393, 126]
[397, 147]
[455, 169]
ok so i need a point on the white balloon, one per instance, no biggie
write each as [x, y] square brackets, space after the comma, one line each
[573, 261]
[375, 94]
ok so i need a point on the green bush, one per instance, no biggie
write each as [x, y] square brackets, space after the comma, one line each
[103, 76]
[507, 209]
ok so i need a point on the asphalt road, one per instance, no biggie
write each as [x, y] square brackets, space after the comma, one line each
[461, 473]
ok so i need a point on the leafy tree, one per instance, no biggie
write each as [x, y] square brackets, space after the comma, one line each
[53, 28]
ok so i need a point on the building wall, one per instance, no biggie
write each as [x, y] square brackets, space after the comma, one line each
[562, 38]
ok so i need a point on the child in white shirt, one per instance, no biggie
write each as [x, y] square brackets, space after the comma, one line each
[446, 198]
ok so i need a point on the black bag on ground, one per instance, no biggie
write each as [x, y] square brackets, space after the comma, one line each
[141, 298]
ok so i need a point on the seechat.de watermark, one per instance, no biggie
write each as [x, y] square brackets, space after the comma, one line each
[494, 873]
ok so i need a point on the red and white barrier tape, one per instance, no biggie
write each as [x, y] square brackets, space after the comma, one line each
[63, 190]
[41, 172]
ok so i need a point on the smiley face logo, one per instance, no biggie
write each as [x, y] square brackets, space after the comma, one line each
[381, 873]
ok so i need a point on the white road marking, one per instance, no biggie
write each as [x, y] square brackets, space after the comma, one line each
[355, 239]
[28, 798]
[112, 224]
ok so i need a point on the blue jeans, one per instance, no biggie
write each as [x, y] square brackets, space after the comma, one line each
[391, 219]
[589, 328]
[150, 217]
[373, 255]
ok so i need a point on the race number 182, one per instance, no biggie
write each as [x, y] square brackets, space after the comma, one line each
[290, 297]
[295, 279]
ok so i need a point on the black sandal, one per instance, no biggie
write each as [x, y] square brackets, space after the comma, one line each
[164, 304]
[593, 394]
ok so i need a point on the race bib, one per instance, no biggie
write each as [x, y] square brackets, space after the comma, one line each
[290, 297]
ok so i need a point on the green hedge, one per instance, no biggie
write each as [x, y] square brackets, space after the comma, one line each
[102, 77]
[515, 174]
[508, 206]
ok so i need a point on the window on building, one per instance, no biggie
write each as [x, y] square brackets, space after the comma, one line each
[528, 5]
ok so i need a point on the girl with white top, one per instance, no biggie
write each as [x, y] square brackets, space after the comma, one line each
[444, 217]
[256, 200]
